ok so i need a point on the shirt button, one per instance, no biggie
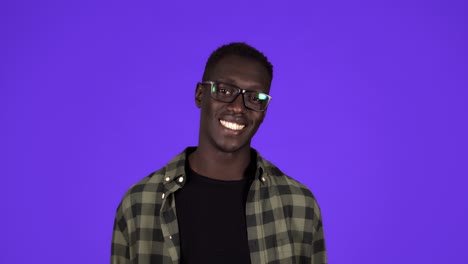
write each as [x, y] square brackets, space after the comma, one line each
[170, 237]
[168, 179]
[262, 179]
[163, 195]
[181, 179]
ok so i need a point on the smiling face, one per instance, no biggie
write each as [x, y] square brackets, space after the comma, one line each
[229, 127]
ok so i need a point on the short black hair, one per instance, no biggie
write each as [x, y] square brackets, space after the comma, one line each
[240, 49]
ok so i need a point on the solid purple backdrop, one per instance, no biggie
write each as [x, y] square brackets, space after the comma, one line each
[369, 110]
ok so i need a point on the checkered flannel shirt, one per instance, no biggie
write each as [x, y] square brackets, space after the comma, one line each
[283, 219]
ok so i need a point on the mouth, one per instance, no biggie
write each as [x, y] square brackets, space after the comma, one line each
[231, 125]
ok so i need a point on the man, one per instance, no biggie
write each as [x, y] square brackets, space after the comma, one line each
[221, 202]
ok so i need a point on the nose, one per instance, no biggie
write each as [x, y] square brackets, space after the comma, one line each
[238, 105]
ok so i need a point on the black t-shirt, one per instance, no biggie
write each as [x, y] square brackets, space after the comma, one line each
[211, 218]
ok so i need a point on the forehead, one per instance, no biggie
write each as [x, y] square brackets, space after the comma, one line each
[241, 71]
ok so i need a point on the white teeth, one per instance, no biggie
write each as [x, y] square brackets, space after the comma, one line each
[231, 125]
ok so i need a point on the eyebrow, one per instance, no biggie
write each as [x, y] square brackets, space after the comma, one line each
[257, 88]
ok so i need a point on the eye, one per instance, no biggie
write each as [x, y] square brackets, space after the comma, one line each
[223, 89]
[258, 97]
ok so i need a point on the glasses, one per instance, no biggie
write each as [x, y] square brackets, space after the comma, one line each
[227, 93]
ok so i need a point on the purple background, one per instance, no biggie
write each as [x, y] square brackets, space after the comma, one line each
[369, 110]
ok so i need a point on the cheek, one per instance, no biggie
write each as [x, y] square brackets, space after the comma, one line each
[258, 118]
[210, 110]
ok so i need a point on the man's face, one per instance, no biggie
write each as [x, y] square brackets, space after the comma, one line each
[229, 127]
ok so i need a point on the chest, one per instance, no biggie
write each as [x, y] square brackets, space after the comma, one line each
[212, 223]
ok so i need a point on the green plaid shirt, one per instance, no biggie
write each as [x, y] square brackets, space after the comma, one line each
[283, 219]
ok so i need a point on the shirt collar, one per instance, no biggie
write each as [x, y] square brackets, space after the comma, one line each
[175, 170]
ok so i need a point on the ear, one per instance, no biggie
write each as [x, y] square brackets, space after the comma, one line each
[198, 94]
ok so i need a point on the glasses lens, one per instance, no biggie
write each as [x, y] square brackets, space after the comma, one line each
[223, 92]
[256, 101]
[227, 93]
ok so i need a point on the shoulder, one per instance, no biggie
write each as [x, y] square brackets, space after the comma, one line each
[147, 189]
[144, 191]
[279, 178]
[291, 191]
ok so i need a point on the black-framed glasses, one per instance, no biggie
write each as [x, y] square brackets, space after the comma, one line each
[227, 93]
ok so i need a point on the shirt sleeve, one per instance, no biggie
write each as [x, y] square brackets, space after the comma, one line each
[319, 255]
[120, 251]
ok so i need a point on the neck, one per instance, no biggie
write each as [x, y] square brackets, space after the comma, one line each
[220, 165]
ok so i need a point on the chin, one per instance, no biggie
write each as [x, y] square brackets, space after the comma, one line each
[229, 147]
